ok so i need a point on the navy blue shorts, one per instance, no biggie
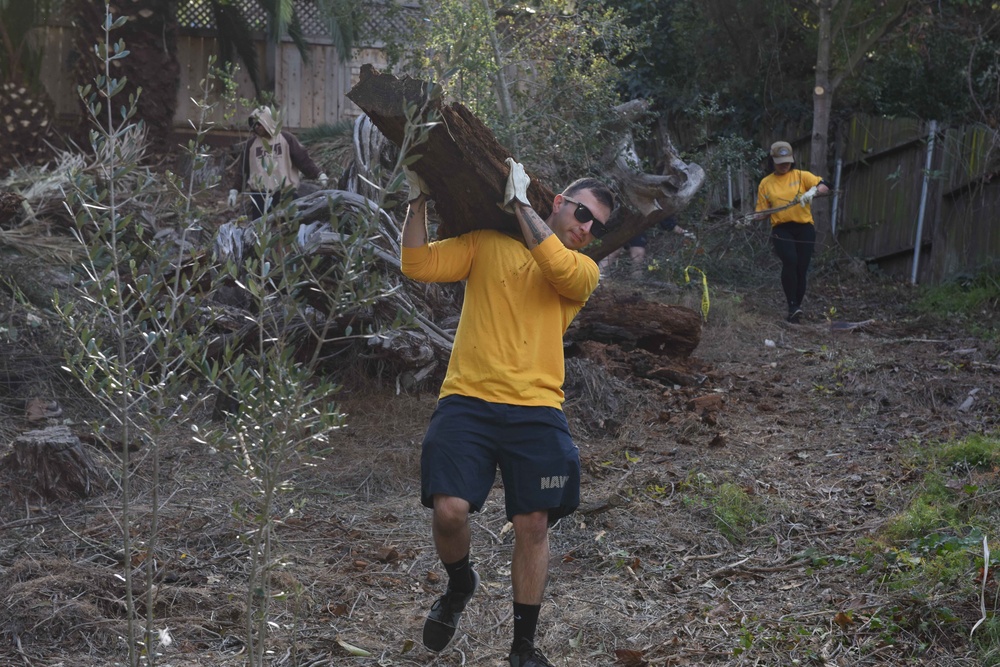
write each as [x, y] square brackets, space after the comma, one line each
[468, 438]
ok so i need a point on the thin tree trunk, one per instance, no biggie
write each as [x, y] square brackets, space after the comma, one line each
[503, 88]
[822, 102]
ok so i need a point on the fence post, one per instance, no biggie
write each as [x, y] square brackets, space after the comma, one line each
[923, 201]
[729, 185]
[836, 197]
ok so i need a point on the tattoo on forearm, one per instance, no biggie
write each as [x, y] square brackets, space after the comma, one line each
[411, 222]
[537, 227]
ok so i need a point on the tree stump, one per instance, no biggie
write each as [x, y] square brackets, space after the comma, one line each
[53, 463]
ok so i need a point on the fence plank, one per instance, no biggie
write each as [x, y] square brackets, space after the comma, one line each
[288, 85]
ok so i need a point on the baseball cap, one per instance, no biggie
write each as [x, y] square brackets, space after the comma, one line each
[781, 152]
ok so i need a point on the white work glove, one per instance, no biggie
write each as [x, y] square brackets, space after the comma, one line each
[517, 186]
[232, 198]
[323, 180]
[416, 185]
[808, 195]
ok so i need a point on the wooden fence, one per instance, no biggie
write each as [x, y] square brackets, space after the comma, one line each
[891, 180]
[309, 90]
[908, 184]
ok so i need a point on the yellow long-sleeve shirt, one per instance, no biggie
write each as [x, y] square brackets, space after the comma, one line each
[780, 189]
[518, 304]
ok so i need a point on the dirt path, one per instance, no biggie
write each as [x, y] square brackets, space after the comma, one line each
[810, 443]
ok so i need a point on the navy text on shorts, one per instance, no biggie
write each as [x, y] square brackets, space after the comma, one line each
[468, 438]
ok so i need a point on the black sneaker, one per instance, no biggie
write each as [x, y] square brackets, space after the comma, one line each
[529, 656]
[443, 618]
[795, 316]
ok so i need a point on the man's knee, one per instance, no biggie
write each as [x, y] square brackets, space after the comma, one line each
[532, 526]
[450, 513]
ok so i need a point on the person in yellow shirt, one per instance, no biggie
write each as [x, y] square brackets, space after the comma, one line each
[500, 404]
[793, 232]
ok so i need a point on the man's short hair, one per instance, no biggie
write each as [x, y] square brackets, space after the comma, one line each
[597, 188]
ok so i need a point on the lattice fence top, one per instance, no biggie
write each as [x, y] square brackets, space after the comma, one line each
[376, 18]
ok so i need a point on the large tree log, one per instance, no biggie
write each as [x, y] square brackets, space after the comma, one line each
[626, 319]
[463, 163]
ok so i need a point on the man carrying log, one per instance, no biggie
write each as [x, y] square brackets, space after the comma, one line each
[500, 403]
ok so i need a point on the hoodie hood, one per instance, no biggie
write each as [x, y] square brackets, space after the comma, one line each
[263, 116]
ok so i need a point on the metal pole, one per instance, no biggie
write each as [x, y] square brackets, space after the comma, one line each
[923, 201]
[836, 197]
[729, 186]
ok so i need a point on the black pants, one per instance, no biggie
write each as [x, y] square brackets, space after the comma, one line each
[794, 243]
[266, 202]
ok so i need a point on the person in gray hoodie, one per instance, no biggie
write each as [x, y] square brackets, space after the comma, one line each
[272, 165]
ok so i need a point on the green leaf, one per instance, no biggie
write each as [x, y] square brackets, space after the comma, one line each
[353, 650]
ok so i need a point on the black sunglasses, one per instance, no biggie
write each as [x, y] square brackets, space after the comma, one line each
[584, 215]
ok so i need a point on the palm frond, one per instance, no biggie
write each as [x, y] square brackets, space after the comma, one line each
[236, 39]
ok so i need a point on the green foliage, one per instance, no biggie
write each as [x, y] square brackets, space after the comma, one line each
[972, 298]
[953, 495]
[20, 55]
[725, 157]
[539, 76]
[141, 330]
[754, 55]
[341, 18]
[938, 61]
[932, 552]
[945, 67]
[987, 641]
[136, 326]
[319, 133]
[284, 408]
[733, 510]
[331, 146]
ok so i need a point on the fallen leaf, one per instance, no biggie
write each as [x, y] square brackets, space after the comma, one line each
[630, 657]
[387, 555]
[843, 619]
[353, 650]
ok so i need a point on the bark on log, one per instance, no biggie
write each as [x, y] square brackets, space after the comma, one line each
[625, 319]
[461, 161]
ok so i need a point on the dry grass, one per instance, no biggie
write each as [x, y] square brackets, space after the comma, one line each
[642, 574]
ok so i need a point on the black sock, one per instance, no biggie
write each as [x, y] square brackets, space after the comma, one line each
[525, 622]
[459, 575]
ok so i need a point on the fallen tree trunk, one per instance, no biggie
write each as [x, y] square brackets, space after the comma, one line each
[631, 322]
[464, 165]
[461, 161]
